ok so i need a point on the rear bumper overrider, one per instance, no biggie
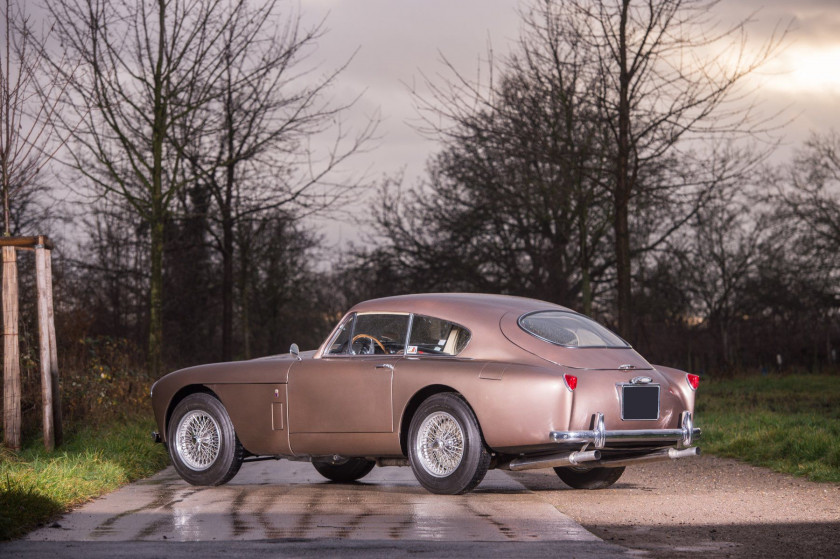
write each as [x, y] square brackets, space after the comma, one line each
[599, 437]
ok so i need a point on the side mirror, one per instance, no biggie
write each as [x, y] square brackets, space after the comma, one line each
[295, 350]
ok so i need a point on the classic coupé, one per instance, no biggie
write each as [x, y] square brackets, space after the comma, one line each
[450, 384]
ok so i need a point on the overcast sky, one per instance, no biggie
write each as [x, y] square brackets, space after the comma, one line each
[397, 40]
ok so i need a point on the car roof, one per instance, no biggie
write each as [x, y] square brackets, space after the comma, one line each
[462, 308]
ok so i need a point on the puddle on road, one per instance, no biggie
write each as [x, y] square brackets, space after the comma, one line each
[289, 500]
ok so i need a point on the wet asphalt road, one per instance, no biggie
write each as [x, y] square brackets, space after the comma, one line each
[286, 509]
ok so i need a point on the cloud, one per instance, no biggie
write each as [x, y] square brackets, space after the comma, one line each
[812, 22]
[399, 39]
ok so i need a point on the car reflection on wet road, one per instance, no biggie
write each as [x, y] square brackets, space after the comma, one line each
[290, 501]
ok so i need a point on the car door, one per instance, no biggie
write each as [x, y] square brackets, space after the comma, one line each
[349, 389]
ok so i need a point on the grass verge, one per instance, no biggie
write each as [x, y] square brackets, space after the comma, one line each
[36, 485]
[788, 423]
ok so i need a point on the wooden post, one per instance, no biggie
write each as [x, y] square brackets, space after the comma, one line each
[11, 351]
[56, 387]
[44, 343]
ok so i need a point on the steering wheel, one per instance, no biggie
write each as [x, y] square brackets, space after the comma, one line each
[357, 336]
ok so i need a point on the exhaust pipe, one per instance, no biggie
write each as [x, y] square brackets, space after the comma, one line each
[553, 460]
[658, 456]
[388, 462]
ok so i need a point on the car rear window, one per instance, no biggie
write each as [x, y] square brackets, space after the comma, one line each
[568, 329]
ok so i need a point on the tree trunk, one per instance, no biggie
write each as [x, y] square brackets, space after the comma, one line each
[156, 299]
[158, 213]
[244, 298]
[623, 188]
[227, 220]
[583, 240]
[586, 291]
[227, 289]
[622, 263]
[11, 351]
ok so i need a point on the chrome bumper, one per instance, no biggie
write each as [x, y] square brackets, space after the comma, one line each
[598, 436]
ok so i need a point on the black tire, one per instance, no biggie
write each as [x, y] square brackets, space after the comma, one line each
[593, 478]
[214, 459]
[351, 470]
[436, 467]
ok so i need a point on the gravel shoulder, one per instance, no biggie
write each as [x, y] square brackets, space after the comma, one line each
[705, 506]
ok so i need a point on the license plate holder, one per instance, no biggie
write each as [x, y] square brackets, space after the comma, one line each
[640, 403]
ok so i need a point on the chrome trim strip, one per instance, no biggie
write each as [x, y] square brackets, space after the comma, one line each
[408, 332]
[599, 437]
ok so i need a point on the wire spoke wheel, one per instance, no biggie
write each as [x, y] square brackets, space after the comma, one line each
[445, 447]
[440, 444]
[198, 440]
[202, 441]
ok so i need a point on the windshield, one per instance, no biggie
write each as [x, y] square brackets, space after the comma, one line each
[569, 330]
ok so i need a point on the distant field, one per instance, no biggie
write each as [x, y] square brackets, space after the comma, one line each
[788, 423]
[36, 485]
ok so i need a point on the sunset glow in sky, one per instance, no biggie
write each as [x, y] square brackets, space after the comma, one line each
[806, 69]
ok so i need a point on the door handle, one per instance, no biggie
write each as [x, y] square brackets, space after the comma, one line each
[385, 366]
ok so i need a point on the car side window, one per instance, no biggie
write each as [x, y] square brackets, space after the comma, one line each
[371, 334]
[433, 336]
[339, 344]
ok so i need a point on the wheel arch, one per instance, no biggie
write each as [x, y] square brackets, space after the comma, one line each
[178, 397]
[414, 403]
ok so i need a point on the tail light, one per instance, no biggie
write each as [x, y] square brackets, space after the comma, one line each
[571, 381]
[693, 380]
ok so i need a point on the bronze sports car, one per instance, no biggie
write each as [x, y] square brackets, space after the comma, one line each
[449, 384]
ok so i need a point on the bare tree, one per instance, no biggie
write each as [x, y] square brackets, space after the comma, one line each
[657, 91]
[811, 194]
[113, 257]
[256, 156]
[717, 260]
[146, 67]
[515, 199]
[810, 208]
[28, 103]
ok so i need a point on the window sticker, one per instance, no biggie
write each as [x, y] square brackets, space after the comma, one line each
[412, 350]
[442, 342]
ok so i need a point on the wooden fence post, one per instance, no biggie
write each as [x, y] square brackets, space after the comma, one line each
[56, 387]
[11, 351]
[44, 342]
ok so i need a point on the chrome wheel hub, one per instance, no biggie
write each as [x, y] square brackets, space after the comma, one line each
[440, 444]
[197, 440]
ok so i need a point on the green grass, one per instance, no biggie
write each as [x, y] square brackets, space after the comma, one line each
[36, 485]
[788, 423]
